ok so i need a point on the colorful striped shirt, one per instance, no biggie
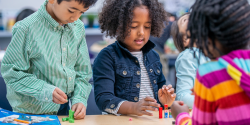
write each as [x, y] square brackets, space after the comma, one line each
[222, 92]
[43, 55]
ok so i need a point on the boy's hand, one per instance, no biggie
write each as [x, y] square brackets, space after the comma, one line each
[178, 107]
[59, 97]
[148, 103]
[166, 95]
[80, 111]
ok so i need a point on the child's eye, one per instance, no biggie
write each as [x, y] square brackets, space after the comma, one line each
[147, 27]
[133, 27]
[70, 11]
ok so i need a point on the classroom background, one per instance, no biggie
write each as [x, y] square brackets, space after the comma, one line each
[9, 10]
[96, 41]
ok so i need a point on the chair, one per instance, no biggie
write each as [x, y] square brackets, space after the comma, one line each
[4, 103]
[92, 108]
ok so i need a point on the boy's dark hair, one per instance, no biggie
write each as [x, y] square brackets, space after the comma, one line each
[23, 14]
[177, 36]
[86, 3]
[227, 21]
[116, 17]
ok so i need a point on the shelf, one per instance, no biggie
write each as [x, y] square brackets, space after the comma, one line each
[5, 34]
[93, 31]
[89, 31]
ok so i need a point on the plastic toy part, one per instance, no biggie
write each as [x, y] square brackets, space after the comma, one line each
[70, 118]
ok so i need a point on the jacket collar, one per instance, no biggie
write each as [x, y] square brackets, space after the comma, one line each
[145, 49]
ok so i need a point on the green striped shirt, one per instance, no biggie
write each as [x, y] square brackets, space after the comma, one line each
[41, 56]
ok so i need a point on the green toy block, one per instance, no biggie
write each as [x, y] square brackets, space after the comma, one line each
[65, 119]
[70, 118]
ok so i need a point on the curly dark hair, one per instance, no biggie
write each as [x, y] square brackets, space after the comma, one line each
[227, 21]
[116, 17]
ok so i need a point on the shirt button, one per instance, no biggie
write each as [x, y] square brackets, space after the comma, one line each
[138, 85]
[69, 78]
[138, 73]
[151, 70]
[124, 73]
[112, 106]
[136, 61]
[46, 98]
[64, 49]
[63, 64]
[136, 98]
[158, 71]
[154, 81]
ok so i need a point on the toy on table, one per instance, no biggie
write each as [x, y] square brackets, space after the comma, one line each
[173, 122]
[165, 111]
[22, 121]
[160, 112]
[70, 118]
[130, 119]
[170, 115]
[25, 118]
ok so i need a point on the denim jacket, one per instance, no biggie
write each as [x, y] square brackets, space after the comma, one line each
[117, 76]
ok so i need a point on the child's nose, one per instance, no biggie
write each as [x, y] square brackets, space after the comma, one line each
[141, 32]
[75, 17]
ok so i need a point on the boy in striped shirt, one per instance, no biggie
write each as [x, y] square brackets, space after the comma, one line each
[47, 61]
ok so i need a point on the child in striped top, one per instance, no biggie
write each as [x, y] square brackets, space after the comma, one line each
[220, 29]
[127, 74]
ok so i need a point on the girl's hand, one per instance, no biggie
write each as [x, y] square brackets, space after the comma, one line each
[148, 103]
[192, 90]
[166, 95]
[178, 107]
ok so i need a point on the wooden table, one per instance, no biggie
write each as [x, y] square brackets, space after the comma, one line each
[120, 120]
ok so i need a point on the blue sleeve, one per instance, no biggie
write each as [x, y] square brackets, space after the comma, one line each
[161, 79]
[104, 80]
[186, 66]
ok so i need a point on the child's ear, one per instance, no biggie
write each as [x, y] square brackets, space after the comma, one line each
[52, 1]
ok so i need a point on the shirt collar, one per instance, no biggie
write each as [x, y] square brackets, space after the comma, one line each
[42, 10]
[145, 49]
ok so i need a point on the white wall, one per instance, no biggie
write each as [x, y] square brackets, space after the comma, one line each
[18, 5]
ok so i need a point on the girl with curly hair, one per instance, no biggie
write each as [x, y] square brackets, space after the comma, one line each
[221, 30]
[128, 76]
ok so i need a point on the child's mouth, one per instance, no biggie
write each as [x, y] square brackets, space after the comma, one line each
[140, 41]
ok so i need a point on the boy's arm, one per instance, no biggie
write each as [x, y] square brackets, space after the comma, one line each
[83, 70]
[15, 66]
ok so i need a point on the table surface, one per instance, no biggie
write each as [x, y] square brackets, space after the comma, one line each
[120, 120]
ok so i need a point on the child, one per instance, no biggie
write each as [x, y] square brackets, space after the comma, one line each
[127, 74]
[186, 64]
[23, 14]
[47, 60]
[220, 28]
